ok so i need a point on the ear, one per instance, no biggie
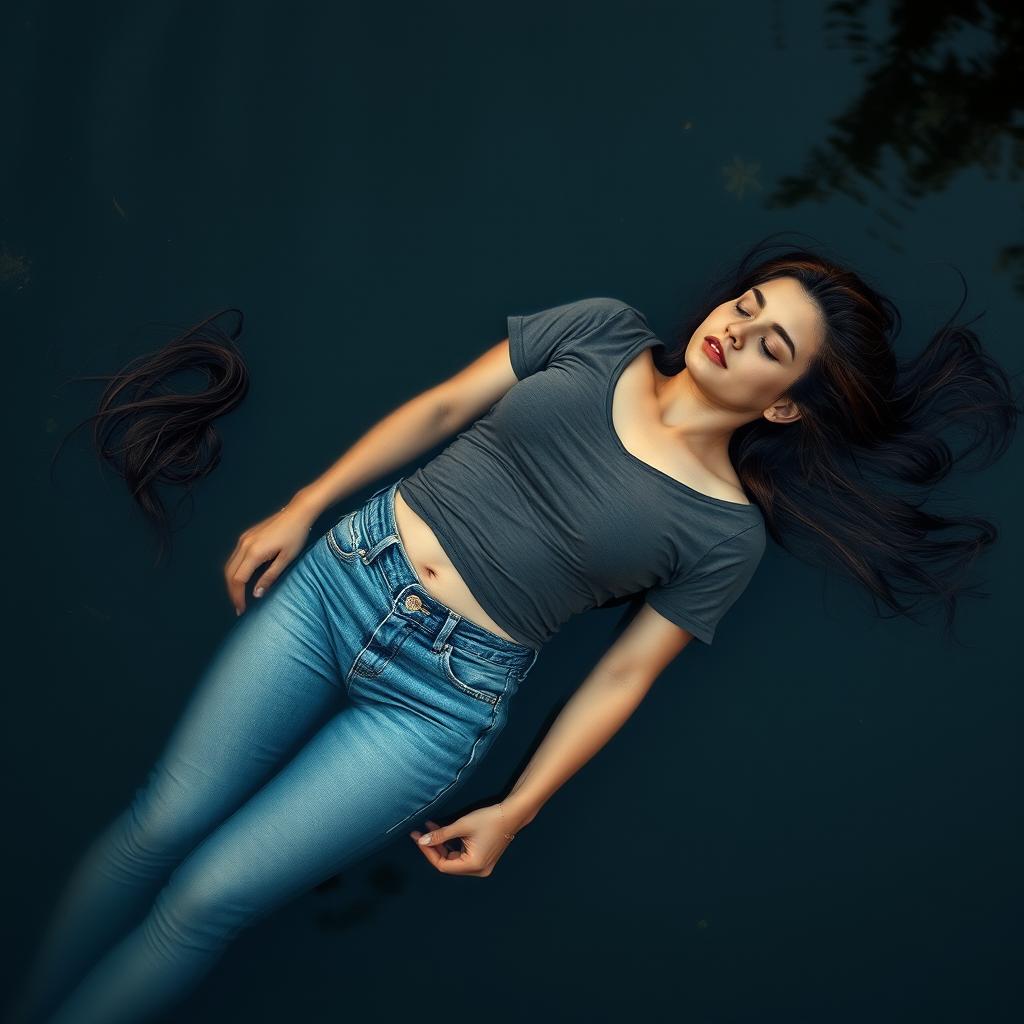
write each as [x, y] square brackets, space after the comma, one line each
[782, 411]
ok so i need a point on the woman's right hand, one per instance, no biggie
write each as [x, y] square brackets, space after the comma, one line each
[277, 539]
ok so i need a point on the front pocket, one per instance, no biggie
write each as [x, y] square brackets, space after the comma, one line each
[482, 680]
[343, 538]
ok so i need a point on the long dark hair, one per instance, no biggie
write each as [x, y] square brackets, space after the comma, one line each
[153, 434]
[828, 483]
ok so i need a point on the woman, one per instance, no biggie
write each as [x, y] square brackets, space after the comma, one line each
[613, 471]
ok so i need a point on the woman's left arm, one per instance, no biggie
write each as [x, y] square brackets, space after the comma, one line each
[597, 710]
[592, 715]
[611, 692]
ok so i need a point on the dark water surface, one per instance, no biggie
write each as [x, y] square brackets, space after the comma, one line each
[816, 819]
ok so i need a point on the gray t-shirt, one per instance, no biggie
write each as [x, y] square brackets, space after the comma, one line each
[546, 514]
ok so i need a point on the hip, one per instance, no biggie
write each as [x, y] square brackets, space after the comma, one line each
[400, 646]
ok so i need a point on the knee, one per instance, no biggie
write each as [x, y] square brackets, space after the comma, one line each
[197, 910]
[153, 833]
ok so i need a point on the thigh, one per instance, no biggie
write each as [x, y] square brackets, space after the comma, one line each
[369, 769]
[272, 680]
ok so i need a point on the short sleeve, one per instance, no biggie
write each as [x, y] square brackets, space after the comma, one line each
[698, 599]
[536, 339]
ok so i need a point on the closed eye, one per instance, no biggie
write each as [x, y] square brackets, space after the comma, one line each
[764, 347]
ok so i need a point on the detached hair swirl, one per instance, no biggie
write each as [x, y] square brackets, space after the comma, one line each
[843, 487]
[151, 433]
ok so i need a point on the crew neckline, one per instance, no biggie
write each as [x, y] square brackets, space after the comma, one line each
[631, 353]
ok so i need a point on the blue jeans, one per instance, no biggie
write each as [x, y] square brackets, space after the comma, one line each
[387, 699]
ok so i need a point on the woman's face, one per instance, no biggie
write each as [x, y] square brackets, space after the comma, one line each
[760, 364]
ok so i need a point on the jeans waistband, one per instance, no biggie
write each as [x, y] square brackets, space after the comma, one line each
[378, 536]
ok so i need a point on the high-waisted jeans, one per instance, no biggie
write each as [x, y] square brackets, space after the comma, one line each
[339, 711]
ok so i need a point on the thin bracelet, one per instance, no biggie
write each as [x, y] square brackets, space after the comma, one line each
[508, 835]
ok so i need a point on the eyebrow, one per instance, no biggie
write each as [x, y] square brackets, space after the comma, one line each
[781, 331]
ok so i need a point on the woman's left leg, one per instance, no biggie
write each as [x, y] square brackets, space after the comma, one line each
[275, 678]
[371, 768]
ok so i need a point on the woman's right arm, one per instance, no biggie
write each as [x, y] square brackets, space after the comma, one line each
[414, 427]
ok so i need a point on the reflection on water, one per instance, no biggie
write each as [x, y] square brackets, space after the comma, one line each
[942, 93]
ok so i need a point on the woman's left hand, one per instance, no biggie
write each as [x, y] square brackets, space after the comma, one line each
[483, 839]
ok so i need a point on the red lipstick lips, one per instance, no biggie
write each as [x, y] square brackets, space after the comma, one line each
[713, 349]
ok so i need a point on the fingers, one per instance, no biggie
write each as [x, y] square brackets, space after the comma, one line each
[267, 580]
[240, 569]
[434, 856]
[236, 588]
[438, 835]
[450, 861]
[435, 849]
[237, 579]
[255, 547]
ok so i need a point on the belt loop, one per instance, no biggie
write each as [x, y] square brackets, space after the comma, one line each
[370, 516]
[533, 661]
[454, 618]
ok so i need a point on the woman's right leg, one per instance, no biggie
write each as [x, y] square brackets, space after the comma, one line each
[273, 680]
[429, 693]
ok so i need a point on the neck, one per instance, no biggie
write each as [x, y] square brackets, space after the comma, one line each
[700, 426]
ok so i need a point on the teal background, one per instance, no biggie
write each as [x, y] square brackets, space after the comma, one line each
[818, 818]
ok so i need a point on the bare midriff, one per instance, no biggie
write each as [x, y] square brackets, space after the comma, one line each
[435, 571]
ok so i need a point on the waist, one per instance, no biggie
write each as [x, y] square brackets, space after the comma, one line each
[435, 569]
[379, 516]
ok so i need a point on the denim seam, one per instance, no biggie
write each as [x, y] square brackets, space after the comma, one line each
[458, 774]
[378, 564]
[362, 651]
[489, 698]
[336, 547]
[353, 536]
[388, 653]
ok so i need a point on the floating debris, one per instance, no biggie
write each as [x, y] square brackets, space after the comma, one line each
[96, 613]
[14, 268]
[740, 175]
